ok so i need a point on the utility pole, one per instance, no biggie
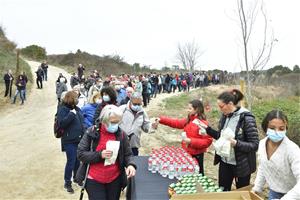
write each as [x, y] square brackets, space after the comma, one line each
[18, 63]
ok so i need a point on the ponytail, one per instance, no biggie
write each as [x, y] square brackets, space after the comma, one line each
[234, 96]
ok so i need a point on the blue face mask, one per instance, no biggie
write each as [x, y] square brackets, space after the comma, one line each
[275, 136]
[136, 108]
[106, 98]
[112, 128]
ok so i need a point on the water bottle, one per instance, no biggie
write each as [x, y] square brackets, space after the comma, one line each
[164, 171]
[190, 169]
[183, 170]
[150, 163]
[171, 170]
[157, 165]
[197, 168]
[178, 170]
[154, 164]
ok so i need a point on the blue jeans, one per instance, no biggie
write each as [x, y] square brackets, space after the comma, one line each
[72, 162]
[275, 195]
[21, 92]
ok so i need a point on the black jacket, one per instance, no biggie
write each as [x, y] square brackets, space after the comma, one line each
[246, 146]
[86, 156]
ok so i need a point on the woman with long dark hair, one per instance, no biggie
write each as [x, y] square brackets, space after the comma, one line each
[195, 140]
[109, 97]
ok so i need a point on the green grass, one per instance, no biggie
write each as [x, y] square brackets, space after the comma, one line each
[289, 106]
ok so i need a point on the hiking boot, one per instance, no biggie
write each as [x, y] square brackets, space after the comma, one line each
[69, 188]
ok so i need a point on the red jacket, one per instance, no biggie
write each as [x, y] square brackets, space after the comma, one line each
[199, 142]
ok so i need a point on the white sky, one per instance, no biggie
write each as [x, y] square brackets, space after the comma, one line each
[148, 31]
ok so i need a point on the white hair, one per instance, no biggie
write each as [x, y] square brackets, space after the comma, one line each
[136, 95]
[107, 111]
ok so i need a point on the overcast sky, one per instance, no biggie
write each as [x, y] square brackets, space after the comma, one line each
[148, 31]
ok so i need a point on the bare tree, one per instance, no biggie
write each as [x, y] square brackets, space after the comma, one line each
[262, 53]
[189, 54]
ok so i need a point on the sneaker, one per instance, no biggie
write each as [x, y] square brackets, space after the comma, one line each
[69, 188]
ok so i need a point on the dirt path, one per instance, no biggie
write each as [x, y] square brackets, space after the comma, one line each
[31, 163]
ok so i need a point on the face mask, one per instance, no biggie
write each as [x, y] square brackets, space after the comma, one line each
[98, 101]
[106, 98]
[136, 108]
[275, 136]
[112, 128]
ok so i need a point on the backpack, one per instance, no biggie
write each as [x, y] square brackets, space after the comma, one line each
[58, 132]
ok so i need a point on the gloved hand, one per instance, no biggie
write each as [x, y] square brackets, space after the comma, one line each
[73, 111]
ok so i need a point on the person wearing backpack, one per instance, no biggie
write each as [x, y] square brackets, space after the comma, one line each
[240, 163]
[70, 119]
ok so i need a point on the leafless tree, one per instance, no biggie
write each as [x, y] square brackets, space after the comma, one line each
[262, 53]
[189, 54]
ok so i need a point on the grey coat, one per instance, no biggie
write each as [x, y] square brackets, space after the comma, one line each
[133, 125]
[60, 88]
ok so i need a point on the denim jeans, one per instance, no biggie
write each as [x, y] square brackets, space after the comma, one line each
[275, 195]
[21, 92]
[72, 162]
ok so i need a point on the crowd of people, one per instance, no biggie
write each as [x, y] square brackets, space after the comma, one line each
[112, 110]
[103, 119]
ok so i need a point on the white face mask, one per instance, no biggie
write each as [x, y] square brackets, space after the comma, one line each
[106, 98]
[275, 136]
[98, 101]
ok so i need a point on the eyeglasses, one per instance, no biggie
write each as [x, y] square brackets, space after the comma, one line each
[222, 106]
[136, 104]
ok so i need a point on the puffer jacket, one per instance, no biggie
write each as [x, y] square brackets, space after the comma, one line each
[246, 135]
[199, 142]
[133, 124]
[86, 156]
[88, 112]
[71, 123]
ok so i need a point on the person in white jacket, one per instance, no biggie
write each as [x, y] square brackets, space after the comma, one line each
[279, 160]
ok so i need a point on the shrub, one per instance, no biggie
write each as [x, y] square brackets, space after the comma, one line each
[34, 52]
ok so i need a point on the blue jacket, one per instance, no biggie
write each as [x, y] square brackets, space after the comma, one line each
[121, 95]
[71, 123]
[88, 112]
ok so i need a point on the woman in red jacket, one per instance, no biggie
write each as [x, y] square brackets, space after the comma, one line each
[195, 140]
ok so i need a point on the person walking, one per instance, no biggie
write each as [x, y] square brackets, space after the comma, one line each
[39, 77]
[70, 119]
[106, 177]
[238, 128]
[60, 88]
[8, 80]
[44, 66]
